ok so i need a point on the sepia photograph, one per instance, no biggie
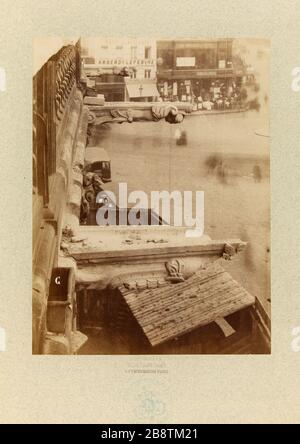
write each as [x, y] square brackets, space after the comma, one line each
[151, 196]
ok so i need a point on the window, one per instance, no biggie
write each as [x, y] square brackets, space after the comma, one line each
[89, 60]
[104, 46]
[147, 52]
[133, 52]
[147, 73]
[96, 166]
[166, 56]
[222, 54]
[119, 47]
[133, 74]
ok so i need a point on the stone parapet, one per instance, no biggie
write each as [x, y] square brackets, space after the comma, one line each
[49, 235]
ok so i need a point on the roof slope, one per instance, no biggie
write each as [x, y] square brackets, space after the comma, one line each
[173, 310]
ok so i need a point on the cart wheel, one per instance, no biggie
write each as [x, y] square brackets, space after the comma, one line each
[90, 196]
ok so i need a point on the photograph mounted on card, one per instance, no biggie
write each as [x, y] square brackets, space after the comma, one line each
[151, 196]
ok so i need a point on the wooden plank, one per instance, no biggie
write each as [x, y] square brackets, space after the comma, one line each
[225, 327]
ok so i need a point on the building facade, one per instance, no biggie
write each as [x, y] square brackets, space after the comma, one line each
[102, 58]
[188, 69]
[138, 55]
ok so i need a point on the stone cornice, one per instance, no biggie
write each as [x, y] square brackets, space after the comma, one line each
[92, 255]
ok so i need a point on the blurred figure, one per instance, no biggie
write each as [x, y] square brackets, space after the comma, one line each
[199, 102]
[182, 140]
[222, 173]
[212, 162]
[207, 104]
[257, 173]
[177, 135]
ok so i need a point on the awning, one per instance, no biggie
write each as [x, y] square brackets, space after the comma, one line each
[136, 90]
[175, 309]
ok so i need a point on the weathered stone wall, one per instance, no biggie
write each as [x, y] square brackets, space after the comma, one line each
[48, 243]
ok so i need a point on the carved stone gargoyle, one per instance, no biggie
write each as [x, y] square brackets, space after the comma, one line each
[92, 185]
[169, 112]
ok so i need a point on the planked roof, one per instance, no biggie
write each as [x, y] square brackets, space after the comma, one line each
[175, 309]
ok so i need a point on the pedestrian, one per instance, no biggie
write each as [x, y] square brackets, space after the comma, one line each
[200, 101]
[257, 173]
[177, 135]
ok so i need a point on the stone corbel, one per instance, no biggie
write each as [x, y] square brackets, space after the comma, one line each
[114, 116]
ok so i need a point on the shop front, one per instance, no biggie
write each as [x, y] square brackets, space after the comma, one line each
[206, 89]
[197, 71]
[185, 86]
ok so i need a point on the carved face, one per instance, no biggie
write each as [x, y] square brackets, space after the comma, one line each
[87, 179]
[179, 118]
[97, 182]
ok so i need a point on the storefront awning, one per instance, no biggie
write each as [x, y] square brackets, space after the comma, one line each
[136, 90]
[167, 312]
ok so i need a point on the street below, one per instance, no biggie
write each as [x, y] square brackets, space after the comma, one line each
[237, 205]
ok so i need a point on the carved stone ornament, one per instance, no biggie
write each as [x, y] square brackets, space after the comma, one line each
[91, 118]
[228, 252]
[169, 112]
[65, 78]
[92, 185]
[175, 268]
[122, 115]
[231, 250]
